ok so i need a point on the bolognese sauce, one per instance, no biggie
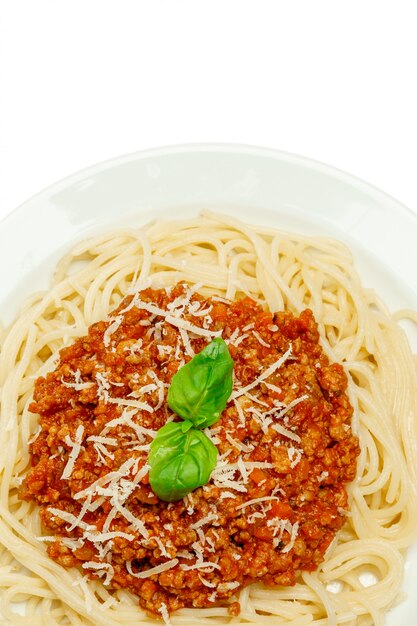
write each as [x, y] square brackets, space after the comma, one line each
[286, 451]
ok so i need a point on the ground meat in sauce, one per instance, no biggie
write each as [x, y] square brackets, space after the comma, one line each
[299, 469]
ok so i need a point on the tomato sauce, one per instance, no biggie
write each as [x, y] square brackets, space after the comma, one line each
[286, 444]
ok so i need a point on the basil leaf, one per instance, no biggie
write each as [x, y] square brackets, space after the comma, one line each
[180, 461]
[200, 389]
[181, 457]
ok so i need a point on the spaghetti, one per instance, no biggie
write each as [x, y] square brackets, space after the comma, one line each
[280, 271]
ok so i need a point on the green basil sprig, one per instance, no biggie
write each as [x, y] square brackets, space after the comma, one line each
[180, 462]
[181, 456]
[200, 389]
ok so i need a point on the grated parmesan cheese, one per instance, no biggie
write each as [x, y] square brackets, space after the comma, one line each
[294, 534]
[228, 586]
[205, 520]
[294, 455]
[256, 501]
[108, 441]
[164, 614]
[227, 494]
[239, 340]
[265, 374]
[101, 537]
[272, 387]
[223, 473]
[186, 341]
[78, 383]
[322, 476]
[239, 444]
[175, 321]
[290, 406]
[101, 570]
[158, 569]
[76, 449]
[206, 582]
[260, 340]
[201, 565]
[113, 326]
[220, 299]
[70, 518]
[286, 433]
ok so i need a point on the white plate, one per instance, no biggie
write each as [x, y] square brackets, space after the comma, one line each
[258, 185]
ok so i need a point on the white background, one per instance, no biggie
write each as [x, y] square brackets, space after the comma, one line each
[82, 81]
[86, 80]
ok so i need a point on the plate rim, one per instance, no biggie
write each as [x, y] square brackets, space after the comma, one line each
[209, 147]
